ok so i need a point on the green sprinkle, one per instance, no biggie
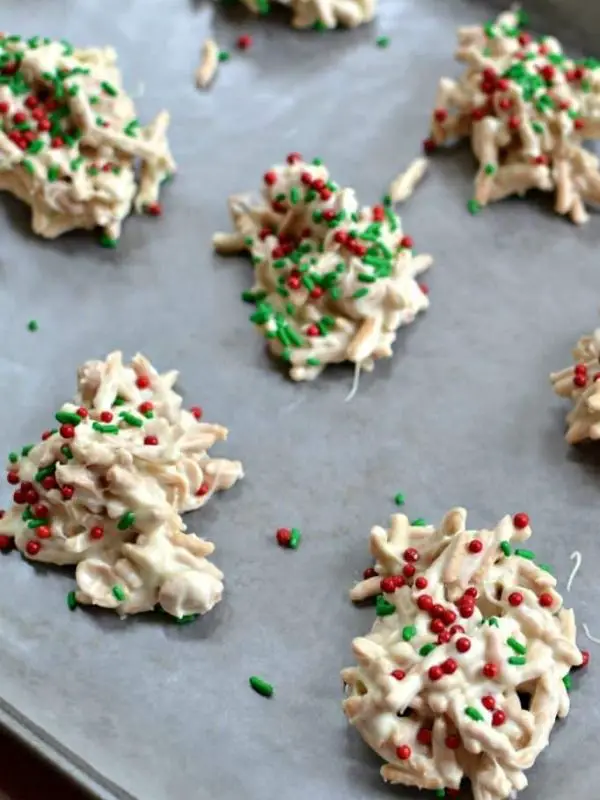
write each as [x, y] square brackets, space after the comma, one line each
[67, 452]
[319, 25]
[382, 41]
[224, 55]
[45, 472]
[93, 171]
[32, 325]
[119, 401]
[119, 593]
[27, 514]
[53, 173]
[295, 538]
[98, 426]
[76, 163]
[35, 147]
[261, 687]
[67, 417]
[365, 277]
[474, 714]
[28, 166]
[26, 450]
[409, 632]
[73, 90]
[13, 457]
[427, 648]
[108, 242]
[36, 523]
[517, 661]
[474, 207]
[313, 362]
[131, 419]
[440, 793]
[546, 568]
[399, 499]
[335, 293]
[418, 523]
[294, 195]
[126, 521]
[568, 682]
[109, 88]
[506, 548]
[528, 554]
[493, 621]
[186, 619]
[317, 162]
[383, 608]
[537, 127]
[72, 601]
[489, 169]
[360, 293]
[516, 646]
[149, 414]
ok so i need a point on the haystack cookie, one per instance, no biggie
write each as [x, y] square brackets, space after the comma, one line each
[467, 666]
[321, 13]
[70, 140]
[527, 109]
[105, 491]
[333, 282]
[581, 384]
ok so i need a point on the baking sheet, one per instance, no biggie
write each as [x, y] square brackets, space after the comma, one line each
[463, 413]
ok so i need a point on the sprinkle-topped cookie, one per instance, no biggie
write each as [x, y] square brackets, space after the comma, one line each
[333, 282]
[70, 139]
[527, 109]
[468, 664]
[581, 383]
[105, 487]
[321, 14]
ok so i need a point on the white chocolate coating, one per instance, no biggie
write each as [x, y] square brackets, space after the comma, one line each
[333, 282]
[70, 141]
[111, 492]
[580, 383]
[328, 13]
[516, 614]
[526, 109]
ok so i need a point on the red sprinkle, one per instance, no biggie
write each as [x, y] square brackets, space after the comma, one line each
[82, 412]
[421, 582]
[202, 490]
[449, 666]
[46, 435]
[437, 610]
[245, 42]
[407, 241]
[270, 178]
[316, 293]
[6, 543]
[399, 674]
[154, 209]
[312, 330]
[106, 416]
[425, 602]
[293, 157]
[410, 554]
[435, 673]
[471, 592]
[12, 477]
[515, 599]
[476, 546]
[452, 742]
[429, 146]
[579, 124]
[463, 645]
[388, 585]
[403, 752]
[514, 123]
[197, 412]
[409, 570]
[520, 520]
[32, 547]
[31, 496]
[436, 626]
[440, 115]
[97, 532]
[283, 536]
[457, 629]
[49, 482]
[490, 670]
[488, 702]
[449, 617]
[67, 431]
[150, 440]
[67, 491]
[40, 511]
[142, 382]
[43, 532]
[369, 573]
[145, 407]
[586, 658]
[546, 600]
[498, 718]
[424, 736]
[444, 637]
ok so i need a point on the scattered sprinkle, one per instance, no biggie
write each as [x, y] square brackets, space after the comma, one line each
[399, 499]
[32, 325]
[516, 646]
[474, 714]
[72, 601]
[383, 41]
[119, 593]
[261, 686]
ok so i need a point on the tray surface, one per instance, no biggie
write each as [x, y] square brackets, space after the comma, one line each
[463, 413]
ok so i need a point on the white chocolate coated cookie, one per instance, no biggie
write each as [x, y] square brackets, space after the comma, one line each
[467, 622]
[326, 13]
[581, 384]
[105, 491]
[527, 109]
[333, 282]
[70, 140]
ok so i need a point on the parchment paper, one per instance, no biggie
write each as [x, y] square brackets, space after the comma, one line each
[463, 413]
